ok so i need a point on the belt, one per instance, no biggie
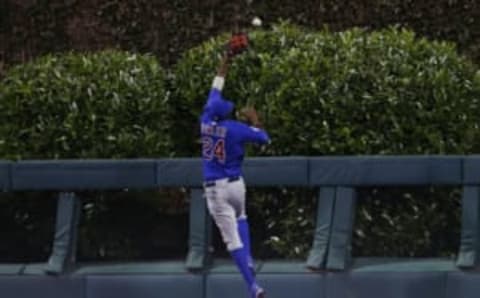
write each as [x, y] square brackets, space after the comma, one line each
[213, 182]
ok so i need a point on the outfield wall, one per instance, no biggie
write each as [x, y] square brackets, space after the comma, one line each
[336, 274]
[371, 279]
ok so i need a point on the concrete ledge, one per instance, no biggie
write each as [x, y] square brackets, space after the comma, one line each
[11, 269]
[369, 278]
[170, 267]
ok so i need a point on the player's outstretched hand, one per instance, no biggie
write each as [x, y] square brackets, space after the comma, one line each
[237, 44]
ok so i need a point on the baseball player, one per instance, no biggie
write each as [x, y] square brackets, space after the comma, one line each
[223, 142]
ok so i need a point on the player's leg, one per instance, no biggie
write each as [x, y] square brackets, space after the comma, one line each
[244, 231]
[237, 196]
[224, 216]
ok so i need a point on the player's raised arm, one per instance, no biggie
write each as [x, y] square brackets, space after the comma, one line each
[237, 44]
[224, 64]
[255, 132]
[217, 106]
[219, 80]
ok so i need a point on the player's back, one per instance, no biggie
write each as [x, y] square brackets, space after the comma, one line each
[223, 145]
[223, 140]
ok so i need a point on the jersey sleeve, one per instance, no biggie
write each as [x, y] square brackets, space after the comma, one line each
[217, 105]
[252, 134]
[213, 96]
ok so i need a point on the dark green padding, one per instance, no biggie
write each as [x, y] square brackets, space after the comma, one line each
[264, 171]
[69, 175]
[317, 257]
[471, 170]
[65, 238]
[276, 171]
[5, 175]
[386, 170]
[468, 255]
[200, 231]
[179, 172]
[339, 249]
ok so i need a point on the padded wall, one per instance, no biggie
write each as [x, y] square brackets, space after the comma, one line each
[41, 287]
[220, 285]
[144, 286]
[386, 284]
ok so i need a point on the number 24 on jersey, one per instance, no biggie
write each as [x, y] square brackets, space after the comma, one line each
[212, 149]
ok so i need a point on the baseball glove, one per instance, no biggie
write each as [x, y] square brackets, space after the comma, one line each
[237, 44]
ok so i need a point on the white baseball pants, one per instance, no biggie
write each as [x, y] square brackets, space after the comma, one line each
[226, 204]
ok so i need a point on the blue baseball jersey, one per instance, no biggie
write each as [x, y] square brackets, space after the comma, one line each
[223, 140]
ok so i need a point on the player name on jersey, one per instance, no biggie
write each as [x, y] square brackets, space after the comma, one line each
[214, 130]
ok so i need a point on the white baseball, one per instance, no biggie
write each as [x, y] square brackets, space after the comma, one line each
[257, 22]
